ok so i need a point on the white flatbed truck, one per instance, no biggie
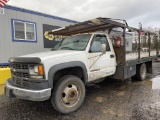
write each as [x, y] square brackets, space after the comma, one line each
[83, 57]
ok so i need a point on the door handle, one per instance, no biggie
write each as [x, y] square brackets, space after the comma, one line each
[111, 56]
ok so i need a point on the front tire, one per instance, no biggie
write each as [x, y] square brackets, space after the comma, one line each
[68, 94]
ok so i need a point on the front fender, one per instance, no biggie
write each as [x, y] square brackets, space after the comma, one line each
[61, 66]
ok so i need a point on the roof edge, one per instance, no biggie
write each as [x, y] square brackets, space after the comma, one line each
[38, 13]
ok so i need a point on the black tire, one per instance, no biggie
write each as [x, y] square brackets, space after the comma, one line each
[68, 94]
[141, 72]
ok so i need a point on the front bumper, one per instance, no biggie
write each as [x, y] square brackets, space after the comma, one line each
[33, 95]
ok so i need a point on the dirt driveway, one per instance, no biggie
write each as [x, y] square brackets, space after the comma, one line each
[108, 100]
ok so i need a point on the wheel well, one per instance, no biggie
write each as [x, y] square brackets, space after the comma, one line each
[76, 71]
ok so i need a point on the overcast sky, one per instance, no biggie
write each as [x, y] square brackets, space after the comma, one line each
[134, 11]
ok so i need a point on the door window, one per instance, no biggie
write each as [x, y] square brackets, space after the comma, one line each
[97, 42]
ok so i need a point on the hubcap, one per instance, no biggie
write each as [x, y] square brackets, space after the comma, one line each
[70, 95]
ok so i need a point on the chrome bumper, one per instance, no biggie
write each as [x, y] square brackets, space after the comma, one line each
[33, 95]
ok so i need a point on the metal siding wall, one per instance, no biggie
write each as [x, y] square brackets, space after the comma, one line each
[8, 48]
[2, 42]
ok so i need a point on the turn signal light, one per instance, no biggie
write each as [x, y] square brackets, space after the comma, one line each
[40, 70]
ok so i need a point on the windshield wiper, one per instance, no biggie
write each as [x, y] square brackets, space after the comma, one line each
[68, 48]
[53, 49]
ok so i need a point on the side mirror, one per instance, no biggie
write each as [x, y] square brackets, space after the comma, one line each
[103, 49]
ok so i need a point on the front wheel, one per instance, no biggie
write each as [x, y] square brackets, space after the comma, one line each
[68, 94]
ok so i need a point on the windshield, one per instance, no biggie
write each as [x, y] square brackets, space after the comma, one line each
[78, 42]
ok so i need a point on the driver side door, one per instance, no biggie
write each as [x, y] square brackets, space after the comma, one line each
[100, 65]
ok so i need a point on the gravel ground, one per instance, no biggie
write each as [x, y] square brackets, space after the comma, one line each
[108, 100]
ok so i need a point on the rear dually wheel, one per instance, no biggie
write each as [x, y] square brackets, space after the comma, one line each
[141, 72]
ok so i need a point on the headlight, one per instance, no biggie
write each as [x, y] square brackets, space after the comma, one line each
[36, 71]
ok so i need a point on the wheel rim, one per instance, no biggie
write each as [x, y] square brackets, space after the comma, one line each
[143, 72]
[70, 95]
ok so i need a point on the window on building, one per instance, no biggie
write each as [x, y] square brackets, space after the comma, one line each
[24, 31]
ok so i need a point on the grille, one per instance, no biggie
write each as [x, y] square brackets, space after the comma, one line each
[20, 66]
[20, 72]
[20, 82]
